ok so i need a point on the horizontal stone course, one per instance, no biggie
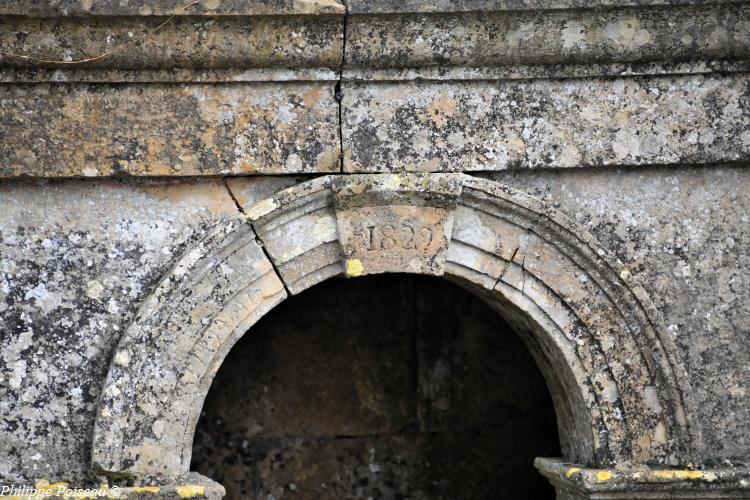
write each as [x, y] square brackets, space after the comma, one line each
[74, 8]
[464, 126]
[489, 39]
[403, 6]
[184, 42]
[160, 129]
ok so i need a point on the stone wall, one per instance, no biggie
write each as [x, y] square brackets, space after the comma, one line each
[625, 123]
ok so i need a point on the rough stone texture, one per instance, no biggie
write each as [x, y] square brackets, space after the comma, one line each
[93, 130]
[402, 6]
[76, 258]
[442, 399]
[64, 8]
[302, 241]
[581, 36]
[248, 191]
[231, 87]
[576, 483]
[184, 42]
[706, 327]
[170, 352]
[500, 125]
[684, 234]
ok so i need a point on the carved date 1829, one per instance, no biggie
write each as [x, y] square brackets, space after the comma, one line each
[390, 237]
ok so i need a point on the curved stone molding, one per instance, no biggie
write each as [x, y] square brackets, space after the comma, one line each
[164, 364]
[488, 37]
[615, 380]
[74, 8]
[513, 244]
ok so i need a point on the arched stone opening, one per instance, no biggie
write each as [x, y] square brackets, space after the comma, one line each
[389, 386]
[617, 387]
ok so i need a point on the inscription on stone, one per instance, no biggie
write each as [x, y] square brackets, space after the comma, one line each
[394, 238]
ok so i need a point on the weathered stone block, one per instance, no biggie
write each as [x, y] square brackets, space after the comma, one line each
[411, 235]
[156, 130]
[685, 235]
[76, 259]
[545, 123]
[47, 8]
[188, 42]
[481, 39]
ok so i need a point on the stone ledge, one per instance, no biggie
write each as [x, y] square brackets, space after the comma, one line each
[77, 8]
[522, 72]
[498, 38]
[186, 42]
[193, 485]
[446, 6]
[575, 482]
[309, 34]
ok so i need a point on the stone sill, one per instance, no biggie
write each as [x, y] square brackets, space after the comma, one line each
[579, 482]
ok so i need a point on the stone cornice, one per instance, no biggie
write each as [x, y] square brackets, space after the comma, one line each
[284, 87]
[79, 8]
[446, 6]
[500, 39]
[84, 8]
[192, 43]
[304, 41]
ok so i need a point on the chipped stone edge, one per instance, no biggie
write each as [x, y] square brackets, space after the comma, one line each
[582, 480]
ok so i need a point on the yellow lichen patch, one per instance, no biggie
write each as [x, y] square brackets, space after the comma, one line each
[354, 267]
[571, 471]
[684, 474]
[145, 489]
[190, 490]
[603, 475]
[261, 208]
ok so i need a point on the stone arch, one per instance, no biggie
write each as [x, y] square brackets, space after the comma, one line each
[613, 376]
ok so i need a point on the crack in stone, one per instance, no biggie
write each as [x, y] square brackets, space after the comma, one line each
[258, 239]
[225, 181]
[338, 93]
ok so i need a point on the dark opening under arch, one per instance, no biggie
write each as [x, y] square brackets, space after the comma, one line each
[391, 386]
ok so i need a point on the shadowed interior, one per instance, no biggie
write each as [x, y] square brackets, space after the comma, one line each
[390, 386]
